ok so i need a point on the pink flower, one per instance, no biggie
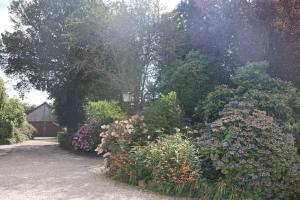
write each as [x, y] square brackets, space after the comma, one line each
[135, 117]
[128, 126]
[114, 134]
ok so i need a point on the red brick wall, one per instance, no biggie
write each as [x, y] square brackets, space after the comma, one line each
[46, 129]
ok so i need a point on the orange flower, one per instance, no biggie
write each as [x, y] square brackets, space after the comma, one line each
[203, 198]
[184, 169]
[191, 179]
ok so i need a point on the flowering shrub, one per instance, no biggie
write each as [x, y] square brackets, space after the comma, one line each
[251, 152]
[80, 140]
[280, 99]
[174, 165]
[168, 165]
[120, 136]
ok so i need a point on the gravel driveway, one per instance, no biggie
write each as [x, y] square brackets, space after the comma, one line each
[40, 170]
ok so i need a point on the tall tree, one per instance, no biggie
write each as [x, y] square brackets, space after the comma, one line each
[41, 52]
[79, 50]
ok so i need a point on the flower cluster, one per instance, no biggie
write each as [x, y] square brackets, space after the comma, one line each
[79, 141]
[121, 163]
[182, 175]
[248, 147]
[117, 136]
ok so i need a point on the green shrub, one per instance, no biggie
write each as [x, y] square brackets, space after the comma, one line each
[103, 112]
[6, 132]
[13, 125]
[174, 166]
[278, 98]
[168, 165]
[192, 79]
[164, 114]
[253, 154]
[14, 111]
[209, 109]
[65, 140]
[25, 132]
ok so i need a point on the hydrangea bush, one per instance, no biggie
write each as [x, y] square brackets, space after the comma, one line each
[120, 136]
[80, 138]
[251, 152]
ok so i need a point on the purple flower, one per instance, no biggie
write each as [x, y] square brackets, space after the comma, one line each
[254, 177]
[225, 144]
[234, 103]
[79, 141]
[232, 153]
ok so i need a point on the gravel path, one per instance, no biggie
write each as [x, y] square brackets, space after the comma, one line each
[40, 170]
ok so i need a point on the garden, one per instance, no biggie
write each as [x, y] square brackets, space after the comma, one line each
[201, 100]
[241, 144]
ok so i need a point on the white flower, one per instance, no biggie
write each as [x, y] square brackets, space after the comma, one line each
[105, 126]
[106, 155]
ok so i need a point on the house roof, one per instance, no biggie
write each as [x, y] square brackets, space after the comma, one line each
[45, 103]
[42, 113]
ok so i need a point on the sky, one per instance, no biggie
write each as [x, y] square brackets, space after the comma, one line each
[35, 97]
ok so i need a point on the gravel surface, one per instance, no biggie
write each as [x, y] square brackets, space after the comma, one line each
[40, 170]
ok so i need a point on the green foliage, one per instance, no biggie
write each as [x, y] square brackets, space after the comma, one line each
[278, 98]
[65, 140]
[209, 109]
[173, 164]
[164, 114]
[254, 76]
[251, 152]
[24, 132]
[14, 127]
[6, 132]
[192, 79]
[103, 112]
[168, 165]
[14, 111]
[3, 95]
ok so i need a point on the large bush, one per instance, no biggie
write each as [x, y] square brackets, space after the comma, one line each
[164, 114]
[209, 109]
[103, 112]
[173, 166]
[168, 165]
[121, 136]
[13, 125]
[14, 112]
[97, 113]
[24, 132]
[278, 98]
[252, 153]
[192, 79]
[6, 132]
[65, 140]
